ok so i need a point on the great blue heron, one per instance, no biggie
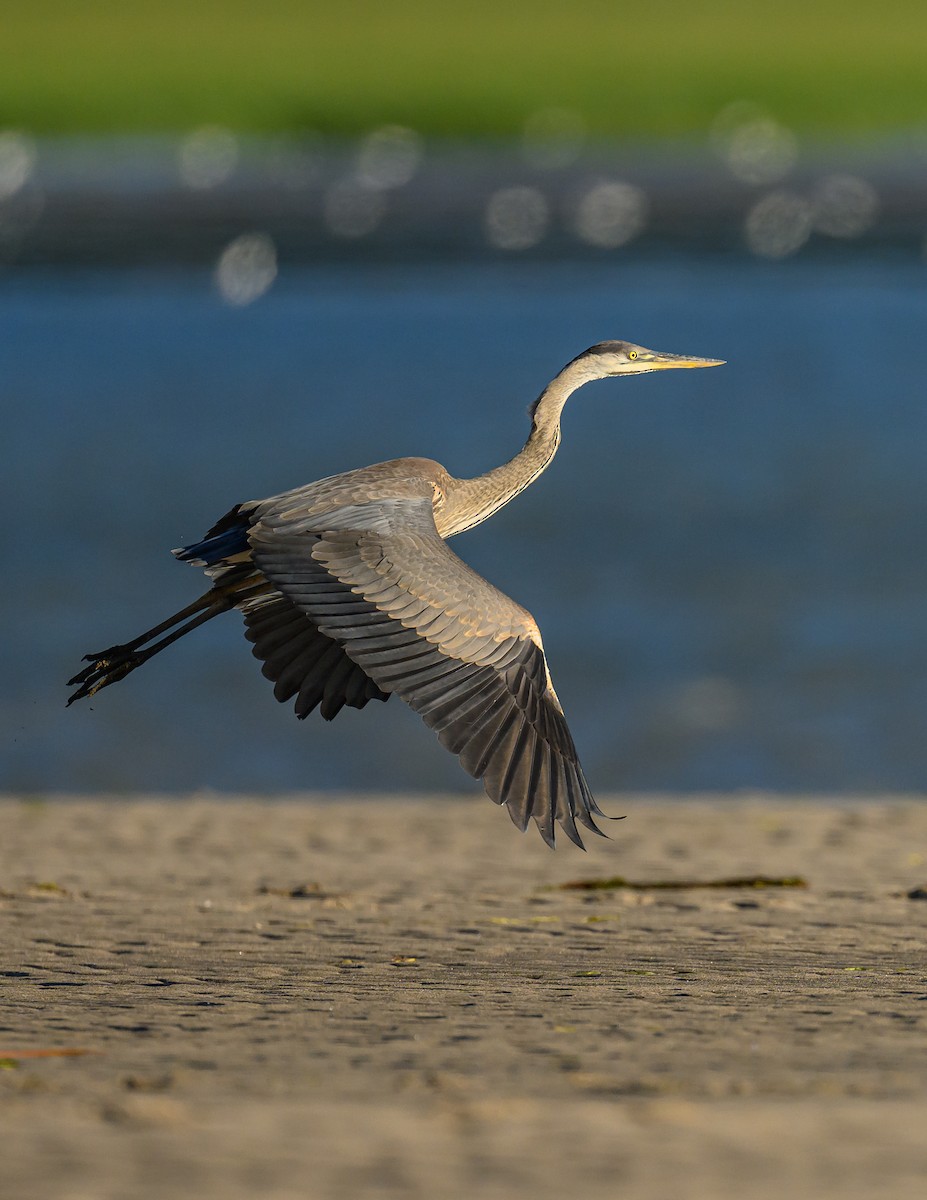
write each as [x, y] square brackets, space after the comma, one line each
[350, 593]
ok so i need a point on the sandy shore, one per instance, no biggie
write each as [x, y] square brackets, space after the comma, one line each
[391, 998]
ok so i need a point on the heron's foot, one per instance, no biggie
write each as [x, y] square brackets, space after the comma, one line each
[106, 667]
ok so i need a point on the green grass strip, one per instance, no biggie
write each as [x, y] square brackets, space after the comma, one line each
[477, 69]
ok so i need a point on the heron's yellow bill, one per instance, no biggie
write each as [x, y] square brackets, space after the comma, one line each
[669, 362]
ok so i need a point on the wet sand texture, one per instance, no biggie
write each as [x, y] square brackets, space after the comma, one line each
[382, 998]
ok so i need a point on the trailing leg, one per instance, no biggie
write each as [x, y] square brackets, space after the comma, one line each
[109, 666]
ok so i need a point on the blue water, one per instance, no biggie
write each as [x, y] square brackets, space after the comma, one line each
[728, 566]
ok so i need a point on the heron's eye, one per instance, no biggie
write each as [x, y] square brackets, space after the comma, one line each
[632, 354]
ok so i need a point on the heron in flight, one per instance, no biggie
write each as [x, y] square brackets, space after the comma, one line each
[349, 593]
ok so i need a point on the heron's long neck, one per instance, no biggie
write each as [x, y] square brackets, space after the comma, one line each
[470, 501]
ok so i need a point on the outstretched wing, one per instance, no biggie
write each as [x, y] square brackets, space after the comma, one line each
[377, 578]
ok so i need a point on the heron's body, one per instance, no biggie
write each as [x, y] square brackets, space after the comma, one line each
[350, 593]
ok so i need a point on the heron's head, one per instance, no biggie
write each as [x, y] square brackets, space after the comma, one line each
[624, 358]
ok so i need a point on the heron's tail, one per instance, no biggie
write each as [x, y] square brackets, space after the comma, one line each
[109, 666]
[226, 542]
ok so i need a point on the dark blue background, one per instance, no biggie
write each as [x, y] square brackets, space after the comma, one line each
[728, 566]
